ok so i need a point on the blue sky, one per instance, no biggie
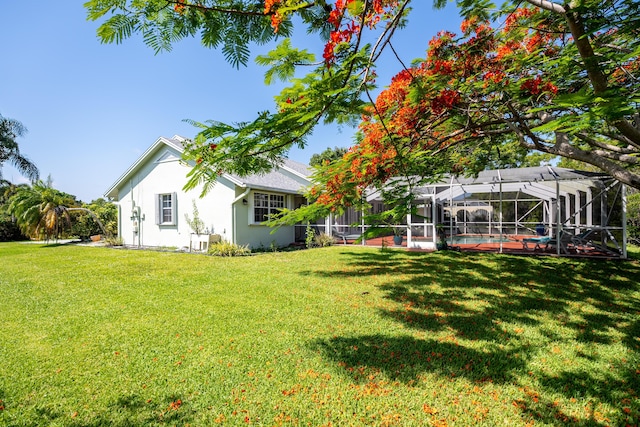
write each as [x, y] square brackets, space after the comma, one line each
[92, 109]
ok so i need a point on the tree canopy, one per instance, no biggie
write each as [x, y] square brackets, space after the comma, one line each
[559, 78]
[41, 211]
[10, 130]
[327, 156]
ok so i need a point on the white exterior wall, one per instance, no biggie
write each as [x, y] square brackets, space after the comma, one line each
[166, 177]
[260, 236]
[163, 173]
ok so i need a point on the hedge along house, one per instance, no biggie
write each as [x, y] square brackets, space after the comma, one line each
[152, 203]
[510, 204]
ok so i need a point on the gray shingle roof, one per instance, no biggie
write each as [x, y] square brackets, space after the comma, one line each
[301, 168]
[280, 179]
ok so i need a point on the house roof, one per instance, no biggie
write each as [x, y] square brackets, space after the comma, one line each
[281, 179]
[544, 182]
[276, 180]
[531, 174]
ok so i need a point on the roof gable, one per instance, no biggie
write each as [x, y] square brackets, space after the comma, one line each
[167, 156]
[290, 177]
[147, 156]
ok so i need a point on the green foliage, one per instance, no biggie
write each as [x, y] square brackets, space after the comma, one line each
[633, 217]
[196, 224]
[10, 130]
[306, 213]
[42, 211]
[573, 95]
[577, 165]
[283, 61]
[9, 230]
[314, 239]
[310, 235]
[323, 240]
[114, 241]
[391, 220]
[228, 249]
[327, 155]
[513, 155]
[258, 146]
[84, 224]
[231, 26]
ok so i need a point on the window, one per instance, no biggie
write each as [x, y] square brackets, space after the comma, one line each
[166, 209]
[265, 205]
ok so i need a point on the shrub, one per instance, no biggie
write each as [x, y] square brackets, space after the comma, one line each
[310, 237]
[324, 239]
[114, 241]
[9, 230]
[225, 248]
[85, 225]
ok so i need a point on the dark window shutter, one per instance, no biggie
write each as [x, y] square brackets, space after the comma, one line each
[174, 208]
[158, 200]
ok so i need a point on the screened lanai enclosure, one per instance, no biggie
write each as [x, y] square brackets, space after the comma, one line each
[540, 209]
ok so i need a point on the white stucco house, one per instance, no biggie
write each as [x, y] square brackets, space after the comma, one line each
[152, 203]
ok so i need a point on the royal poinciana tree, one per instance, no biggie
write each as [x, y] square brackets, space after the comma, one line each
[558, 78]
[548, 79]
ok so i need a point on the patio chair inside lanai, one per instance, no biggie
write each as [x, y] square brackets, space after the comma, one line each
[351, 226]
[344, 236]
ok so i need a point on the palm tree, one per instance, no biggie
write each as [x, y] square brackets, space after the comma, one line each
[10, 130]
[42, 211]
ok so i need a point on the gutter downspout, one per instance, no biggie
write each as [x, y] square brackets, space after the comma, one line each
[135, 235]
[234, 231]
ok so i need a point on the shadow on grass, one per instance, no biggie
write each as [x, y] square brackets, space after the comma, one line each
[130, 410]
[53, 245]
[475, 309]
[405, 359]
[46, 244]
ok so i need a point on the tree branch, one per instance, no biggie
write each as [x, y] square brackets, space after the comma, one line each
[623, 139]
[616, 171]
[623, 158]
[608, 147]
[548, 5]
[203, 8]
[592, 65]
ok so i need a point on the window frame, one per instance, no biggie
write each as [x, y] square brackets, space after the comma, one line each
[265, 204]
[162, 209]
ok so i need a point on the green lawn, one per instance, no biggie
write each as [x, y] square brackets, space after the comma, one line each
[335, 336]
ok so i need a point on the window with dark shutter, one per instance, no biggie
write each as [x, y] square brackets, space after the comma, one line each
[166, 212]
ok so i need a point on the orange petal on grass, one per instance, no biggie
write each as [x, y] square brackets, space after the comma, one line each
[175, 405]
[429, 410]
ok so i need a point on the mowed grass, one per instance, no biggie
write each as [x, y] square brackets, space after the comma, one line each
[335, 336]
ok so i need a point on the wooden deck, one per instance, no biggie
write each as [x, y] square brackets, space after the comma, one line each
[512, 247]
